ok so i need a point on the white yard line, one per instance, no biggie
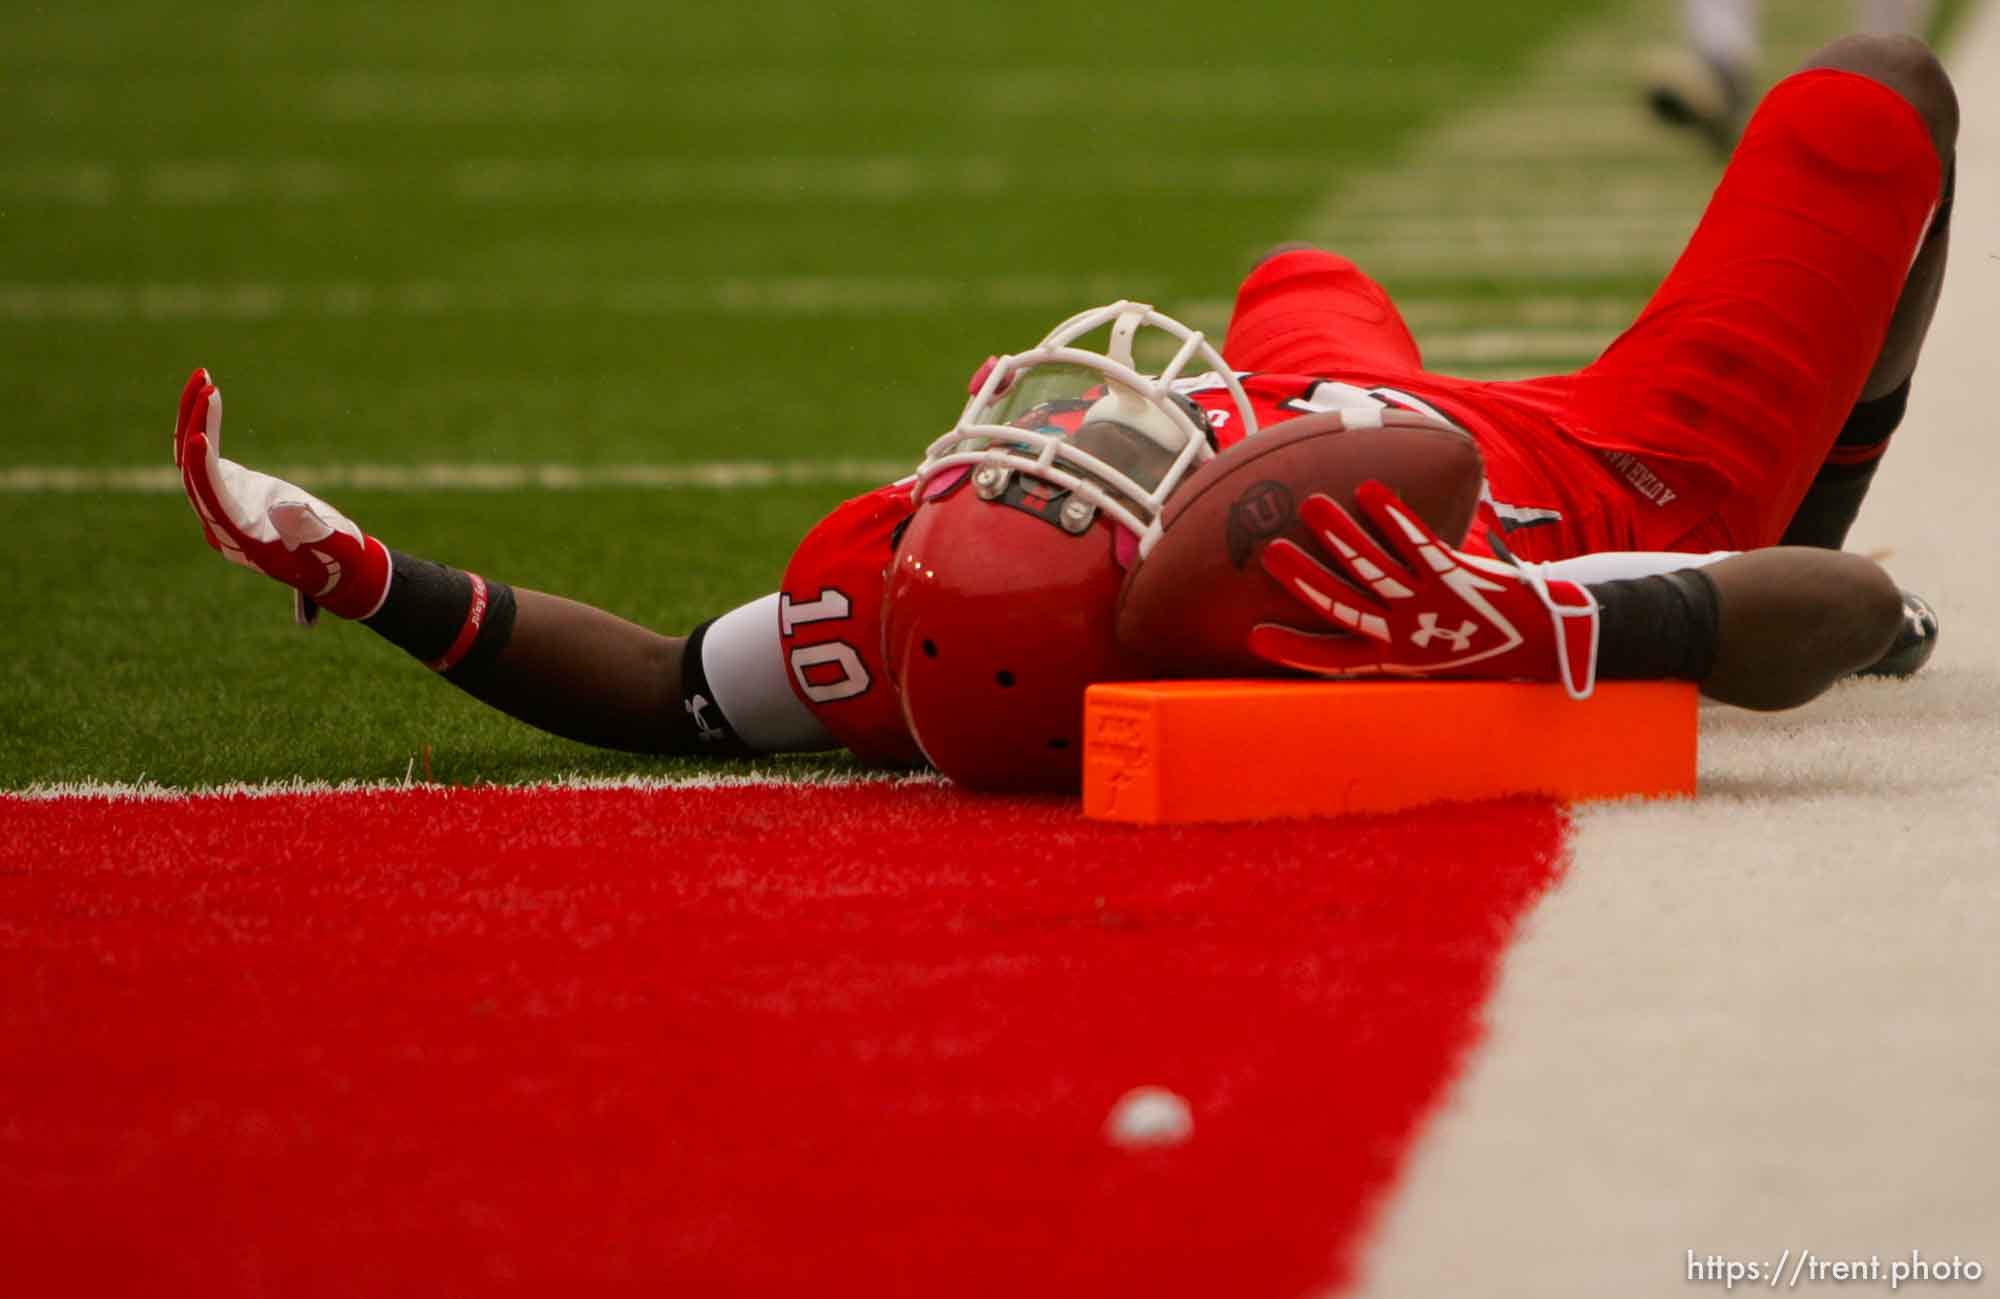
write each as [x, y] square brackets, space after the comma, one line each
[29, 480]
[878, 179]
[1556, 177]
[501, 182]
[1046, 91]
[800, 295]
[753, 296]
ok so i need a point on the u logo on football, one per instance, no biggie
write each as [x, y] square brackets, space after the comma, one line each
[1260, 513]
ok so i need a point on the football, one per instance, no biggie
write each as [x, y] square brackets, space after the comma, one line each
[1189, 605]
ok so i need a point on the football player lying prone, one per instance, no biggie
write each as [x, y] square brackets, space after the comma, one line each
[1308, 499]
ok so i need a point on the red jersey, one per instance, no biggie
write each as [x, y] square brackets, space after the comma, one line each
[1541, 515]
[830, 625]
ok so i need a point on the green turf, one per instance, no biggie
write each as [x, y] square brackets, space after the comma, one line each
[149, 657]
[635, 232]
[632, 232]
[348, 154]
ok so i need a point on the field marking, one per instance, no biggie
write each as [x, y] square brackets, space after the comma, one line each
[488, 182]
[772, 296]
[887, 178]
[726, 475]
[1447, 350]
[374, 95]
[800, 295]
[144, 790]
[1558, 175]
[213, 182]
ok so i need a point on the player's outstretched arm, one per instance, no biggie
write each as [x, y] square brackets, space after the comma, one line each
[1767, 629]
[559, 665]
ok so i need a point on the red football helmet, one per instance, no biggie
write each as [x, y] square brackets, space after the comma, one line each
[1001, 605]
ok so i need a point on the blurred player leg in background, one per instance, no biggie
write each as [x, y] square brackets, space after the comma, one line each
[1705, 85]
[1709, 85]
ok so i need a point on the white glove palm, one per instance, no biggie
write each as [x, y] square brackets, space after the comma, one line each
[270, 525]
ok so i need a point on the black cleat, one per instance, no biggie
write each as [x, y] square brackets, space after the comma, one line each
[1710, 98]
[1913, 644]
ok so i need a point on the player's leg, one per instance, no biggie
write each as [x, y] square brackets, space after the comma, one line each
[1789, 305]
[1834, 498]
[1727, 32]
[565, 667]
[1303, 310]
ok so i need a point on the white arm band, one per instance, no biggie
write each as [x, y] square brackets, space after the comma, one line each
[744, 662]
[1616, 565]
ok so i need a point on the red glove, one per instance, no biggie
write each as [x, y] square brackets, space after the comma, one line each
[1426, 610]
[267, 524]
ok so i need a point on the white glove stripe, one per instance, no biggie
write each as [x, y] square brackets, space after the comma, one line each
[1378, 581]
[1365, 568]
[1436, 558]
[1324, 601]
[332, 567]
[1409, 527]
[1369, 624]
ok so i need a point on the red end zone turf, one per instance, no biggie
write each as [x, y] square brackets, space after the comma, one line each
[833, 1041]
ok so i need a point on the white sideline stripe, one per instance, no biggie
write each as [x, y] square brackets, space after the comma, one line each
[723, 474]
[1687, 1026]
[152, 791]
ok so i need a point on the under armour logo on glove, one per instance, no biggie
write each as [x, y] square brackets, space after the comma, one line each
[1428, 631]
[1394, 611]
